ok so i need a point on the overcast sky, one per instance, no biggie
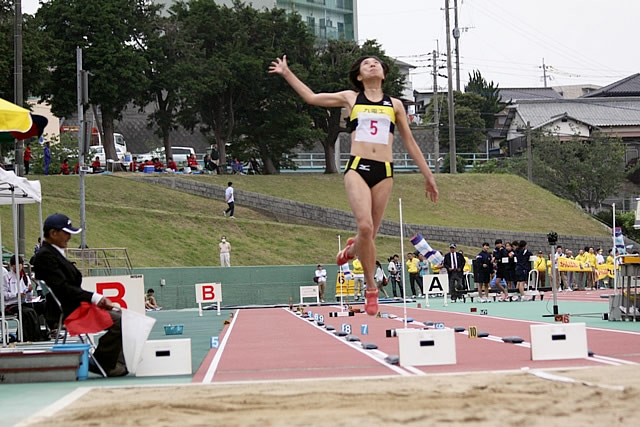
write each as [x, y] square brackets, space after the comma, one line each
[583, 41]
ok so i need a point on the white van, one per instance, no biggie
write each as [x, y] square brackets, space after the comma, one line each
[179, 154]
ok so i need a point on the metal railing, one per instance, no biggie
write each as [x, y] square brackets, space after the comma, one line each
[315, 162]
[101, 261]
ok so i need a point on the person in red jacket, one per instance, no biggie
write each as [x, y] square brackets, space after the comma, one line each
[96, 165]
[171, 164]
[133, 166]
[64, 167]
[158, 166]
[76, 168]
[27, 158]
[193, 163]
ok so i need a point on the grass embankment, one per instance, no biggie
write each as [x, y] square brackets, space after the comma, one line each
[497, 202]
[162, 227]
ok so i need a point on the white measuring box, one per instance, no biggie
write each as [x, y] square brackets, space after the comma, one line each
[418, 347]
[165, 357]
[559, 341]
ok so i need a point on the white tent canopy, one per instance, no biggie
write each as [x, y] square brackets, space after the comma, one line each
[14, 191]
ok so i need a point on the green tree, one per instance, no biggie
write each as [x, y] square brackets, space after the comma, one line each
[164, 49]
[583, 170]
[586, 171]
[492, 103]
[330, 74]
[34, 59]
[108, 32]
[220, 68]
[271, 121]
[470, 131]
[63, 147]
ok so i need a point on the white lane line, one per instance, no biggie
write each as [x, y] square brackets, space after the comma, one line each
[357, 346]
[622, 361]
[55, 407]
[216, 358]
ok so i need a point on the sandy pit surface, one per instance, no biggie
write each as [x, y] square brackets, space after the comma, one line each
[475, 399]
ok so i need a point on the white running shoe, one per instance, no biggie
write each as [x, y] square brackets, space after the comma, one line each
[224, 213]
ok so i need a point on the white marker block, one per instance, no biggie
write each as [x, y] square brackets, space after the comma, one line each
[418, 347]
[165, 357]
[559, 341]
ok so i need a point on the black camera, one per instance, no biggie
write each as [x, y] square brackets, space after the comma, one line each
[552, 238]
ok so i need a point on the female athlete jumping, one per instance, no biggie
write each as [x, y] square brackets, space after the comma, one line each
[368, 176]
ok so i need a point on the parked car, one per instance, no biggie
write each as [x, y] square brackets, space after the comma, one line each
[179, 154]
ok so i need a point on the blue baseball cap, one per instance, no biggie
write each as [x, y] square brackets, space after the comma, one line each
[59, 221]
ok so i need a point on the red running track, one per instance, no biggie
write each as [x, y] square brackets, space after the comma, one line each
[271, 344]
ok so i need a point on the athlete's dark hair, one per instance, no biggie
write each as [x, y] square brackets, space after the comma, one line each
[354, 72]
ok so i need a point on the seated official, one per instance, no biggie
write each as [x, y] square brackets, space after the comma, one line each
[65, 280]
[16, 288]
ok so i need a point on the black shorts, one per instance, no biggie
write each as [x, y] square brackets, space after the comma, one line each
[372, 171]
[522, 276]
[484, 278]
[501, 273]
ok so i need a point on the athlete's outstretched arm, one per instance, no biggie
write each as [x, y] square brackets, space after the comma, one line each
[431, 189]
[337, 99]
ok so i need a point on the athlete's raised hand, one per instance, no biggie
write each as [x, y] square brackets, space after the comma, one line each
[279, 66]
[431, 189]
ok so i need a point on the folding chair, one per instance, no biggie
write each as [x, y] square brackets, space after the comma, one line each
[5, 328]
[47, 290]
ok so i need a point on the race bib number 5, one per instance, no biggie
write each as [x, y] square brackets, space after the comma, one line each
[373, 128]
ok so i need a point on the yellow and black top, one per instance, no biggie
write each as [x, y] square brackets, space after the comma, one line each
[372, 120]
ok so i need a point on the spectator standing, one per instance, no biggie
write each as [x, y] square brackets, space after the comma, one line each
[47, 157]
[381, 279]
[254, 167]
[414, 276]
[499, 255]
[467, 263]
[321, 280]
[454, 264]
[510, 269]
[582, 259]
[358, 278]
[570, 274]
[65, 280]
[562, 274]
[27, 158]
[540, 265]
[523, 266]
[228, 197]
[484, 264]
[423, 268]
[592, 262]
[395, 275]
[599, 261]
[225, 252]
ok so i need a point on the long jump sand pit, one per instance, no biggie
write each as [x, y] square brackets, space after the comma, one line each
[478, 399]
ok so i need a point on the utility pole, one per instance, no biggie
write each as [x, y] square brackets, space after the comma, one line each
[81, 96]
[452, 120]
[19, 101]
[529, 154]
[436, 113]
[456, 36]
[544, 73]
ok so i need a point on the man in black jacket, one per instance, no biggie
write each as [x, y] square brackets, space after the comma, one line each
[454, 263]
[65, 280]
